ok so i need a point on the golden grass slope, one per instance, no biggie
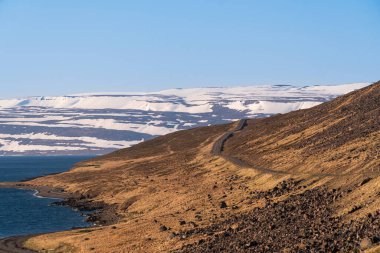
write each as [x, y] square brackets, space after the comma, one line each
[174, 177]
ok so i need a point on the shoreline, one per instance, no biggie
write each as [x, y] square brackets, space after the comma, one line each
[100, 214]
[15, 244]
[42, 191]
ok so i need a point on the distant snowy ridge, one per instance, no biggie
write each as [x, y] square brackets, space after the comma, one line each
[196, 100]
[96, 123]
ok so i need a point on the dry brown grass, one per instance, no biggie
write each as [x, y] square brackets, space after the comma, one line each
[174, 177]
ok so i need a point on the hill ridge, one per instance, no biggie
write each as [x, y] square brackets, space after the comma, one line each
[175, 193]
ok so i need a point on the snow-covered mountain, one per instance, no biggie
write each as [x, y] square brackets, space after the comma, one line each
[97, 123]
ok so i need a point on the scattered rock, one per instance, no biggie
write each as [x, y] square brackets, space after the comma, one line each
[365, 181]
[355, 208]
[163, 228]
[172, 235]
[303, 222]
[365, 243]
[252, 244]
[375, 239]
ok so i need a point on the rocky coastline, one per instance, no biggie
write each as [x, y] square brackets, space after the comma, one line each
[96, 212]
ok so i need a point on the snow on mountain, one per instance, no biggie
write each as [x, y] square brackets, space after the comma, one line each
[96, 123]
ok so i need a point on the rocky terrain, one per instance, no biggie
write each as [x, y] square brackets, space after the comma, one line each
[305, 181]
[301, 223]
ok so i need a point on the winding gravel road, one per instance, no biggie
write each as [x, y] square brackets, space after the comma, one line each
[217, 149]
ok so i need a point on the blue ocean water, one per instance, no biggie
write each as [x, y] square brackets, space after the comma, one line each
[20, 211]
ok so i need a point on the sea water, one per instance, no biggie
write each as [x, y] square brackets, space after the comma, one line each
[21, 211]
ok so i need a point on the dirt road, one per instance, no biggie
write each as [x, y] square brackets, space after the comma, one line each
[218, 147]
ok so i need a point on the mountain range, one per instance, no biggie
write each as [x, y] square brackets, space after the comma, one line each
[98, 123]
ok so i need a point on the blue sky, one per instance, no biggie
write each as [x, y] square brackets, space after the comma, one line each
[62, 47]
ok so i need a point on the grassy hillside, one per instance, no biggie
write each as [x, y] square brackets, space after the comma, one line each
[171, 193]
